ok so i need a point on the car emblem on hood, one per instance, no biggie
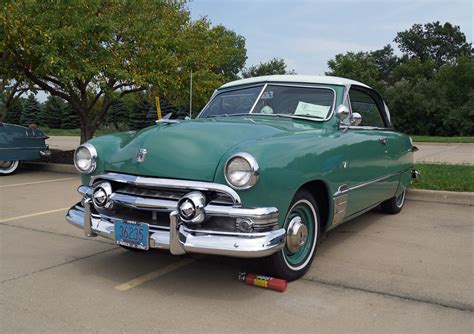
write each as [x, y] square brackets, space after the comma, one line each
[141, 154]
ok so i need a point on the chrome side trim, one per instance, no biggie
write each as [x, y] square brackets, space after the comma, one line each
[170, 183]
[340, 206]
[344, 190]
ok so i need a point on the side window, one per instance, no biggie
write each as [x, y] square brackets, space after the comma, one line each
[365, 105]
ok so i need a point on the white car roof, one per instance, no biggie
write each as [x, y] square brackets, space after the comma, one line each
[312, 79]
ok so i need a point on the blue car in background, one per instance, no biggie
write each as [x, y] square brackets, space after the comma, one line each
[18, 143]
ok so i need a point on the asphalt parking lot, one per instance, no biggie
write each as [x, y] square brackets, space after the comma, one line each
[378, 273]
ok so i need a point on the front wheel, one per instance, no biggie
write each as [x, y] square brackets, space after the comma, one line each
[302, 238]
[395, 204]
[8, 166]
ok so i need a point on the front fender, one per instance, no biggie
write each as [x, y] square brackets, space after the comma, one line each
[106, 146]
[288, 163]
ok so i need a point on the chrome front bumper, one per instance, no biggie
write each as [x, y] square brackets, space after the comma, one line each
[179, 239]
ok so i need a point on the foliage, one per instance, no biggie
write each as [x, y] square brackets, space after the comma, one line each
[273, 66]
[445, 177]
[52, 112]
[357, 66]
[118, 114]
[430, 89]
[69, 118]
[14, 111]
[91, 53]
[142, 114]
[441, 43]
[31, 111]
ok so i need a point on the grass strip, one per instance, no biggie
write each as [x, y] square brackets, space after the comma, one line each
[437, 139]
[445, 177]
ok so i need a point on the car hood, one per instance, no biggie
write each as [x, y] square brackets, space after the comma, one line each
[191, 149]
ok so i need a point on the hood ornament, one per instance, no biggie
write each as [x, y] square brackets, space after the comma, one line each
[141, 154]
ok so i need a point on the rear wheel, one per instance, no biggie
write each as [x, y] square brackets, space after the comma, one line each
[8, 166]
[395, 204]
[302, 237]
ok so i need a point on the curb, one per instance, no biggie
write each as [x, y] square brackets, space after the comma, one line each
[61, 168]
[449, 197]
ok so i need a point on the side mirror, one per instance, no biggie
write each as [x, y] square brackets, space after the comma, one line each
[342, 112]
[356, 119]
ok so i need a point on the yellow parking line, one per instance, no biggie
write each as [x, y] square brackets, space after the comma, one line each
[33, 215]
[37, 182]
[154, 274]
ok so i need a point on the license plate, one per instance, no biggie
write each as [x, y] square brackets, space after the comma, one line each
[131, 234]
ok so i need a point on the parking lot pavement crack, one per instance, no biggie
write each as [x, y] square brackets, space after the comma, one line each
[454, 306]
[55, 233]
[57, 265]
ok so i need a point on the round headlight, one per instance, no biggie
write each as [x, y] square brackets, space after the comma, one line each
[241, 171]
[85, 158]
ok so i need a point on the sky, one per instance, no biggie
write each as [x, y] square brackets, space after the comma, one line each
[307, 33]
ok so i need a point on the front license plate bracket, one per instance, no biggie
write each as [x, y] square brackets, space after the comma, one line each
[131, 234]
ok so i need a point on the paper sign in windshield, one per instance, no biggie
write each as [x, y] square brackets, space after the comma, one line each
[309, 109]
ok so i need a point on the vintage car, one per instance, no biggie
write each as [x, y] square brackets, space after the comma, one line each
[18, 143]
[269, 165]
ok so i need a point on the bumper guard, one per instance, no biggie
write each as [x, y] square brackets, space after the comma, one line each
[179, 239]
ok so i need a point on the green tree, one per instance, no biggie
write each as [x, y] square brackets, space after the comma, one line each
[142, 114]
[273, 66]
[10, 92]
[91, 53]
[14, 111]
[440, 43]
[360, 66]
[31, 111]
[118, 116]
[52, 112]
[69, 119]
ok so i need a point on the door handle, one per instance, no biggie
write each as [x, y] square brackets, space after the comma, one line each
[383, 140]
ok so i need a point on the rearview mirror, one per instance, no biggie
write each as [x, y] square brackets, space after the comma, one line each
[356, 119]
[342, 112]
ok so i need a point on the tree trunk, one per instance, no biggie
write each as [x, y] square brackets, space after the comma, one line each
[86, 132]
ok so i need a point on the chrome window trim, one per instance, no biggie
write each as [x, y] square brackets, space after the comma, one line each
[303, 86]
[314, 86]
[258, 98]
[366, 127]
[217, 92]
[169, 183]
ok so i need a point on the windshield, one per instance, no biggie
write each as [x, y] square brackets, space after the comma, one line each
[274, 100]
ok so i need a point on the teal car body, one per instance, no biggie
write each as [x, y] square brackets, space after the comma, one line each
[18, 143]
[311, 163]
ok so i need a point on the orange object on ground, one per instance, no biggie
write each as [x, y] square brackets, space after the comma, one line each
[267, 282]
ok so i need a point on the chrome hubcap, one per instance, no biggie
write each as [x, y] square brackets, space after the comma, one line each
[6, 163]
[296, 235]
